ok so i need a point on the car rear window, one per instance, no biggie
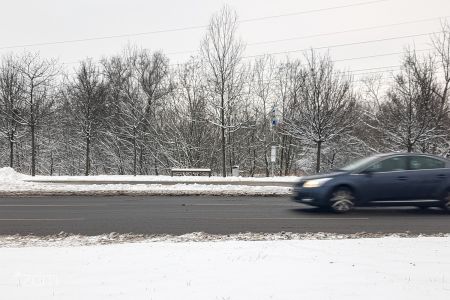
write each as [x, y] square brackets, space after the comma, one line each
[423, 162]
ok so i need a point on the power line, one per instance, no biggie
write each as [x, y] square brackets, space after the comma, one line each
[378, 72]
[334, 60]
[102, 37]
[188, 27]
[333, 33]
[349, 72]
[332, 46]
[313, 11]
[376, 68]
[377, 55]
[349, 30]
[343, 45]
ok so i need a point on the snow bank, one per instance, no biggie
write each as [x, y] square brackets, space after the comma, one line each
[152, 178]
[41, 189]
[16, 184]
[385, 268]
[8, 175]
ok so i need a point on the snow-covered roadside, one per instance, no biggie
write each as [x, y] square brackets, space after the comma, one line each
[383, 268]
[39, 189]
[16, 184]
[152, 178]
[66, 240]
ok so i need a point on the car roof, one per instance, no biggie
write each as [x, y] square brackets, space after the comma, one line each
[411, 154]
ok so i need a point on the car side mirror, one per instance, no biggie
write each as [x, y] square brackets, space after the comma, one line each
[367, 172]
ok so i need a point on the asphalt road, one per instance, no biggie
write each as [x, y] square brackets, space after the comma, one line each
[218, 215]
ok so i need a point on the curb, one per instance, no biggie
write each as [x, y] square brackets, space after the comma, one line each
[32, 193]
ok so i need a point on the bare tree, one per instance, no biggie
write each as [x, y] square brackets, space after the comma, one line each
[131, 104]
[118, 73]
[153, 74]
[326, 109]
[441, 45]
[38, 76]
[263, 77]
[191, 131]
[87, 96]
[411, 113]
[11, 101]
[289, 78]
[222, 52]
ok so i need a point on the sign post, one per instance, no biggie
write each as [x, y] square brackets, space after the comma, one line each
[273, 157]
[273, 152]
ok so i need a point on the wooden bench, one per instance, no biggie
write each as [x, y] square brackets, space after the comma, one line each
[176, 171]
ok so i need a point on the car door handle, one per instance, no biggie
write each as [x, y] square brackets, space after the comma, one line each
[441, 176]
[402, 178]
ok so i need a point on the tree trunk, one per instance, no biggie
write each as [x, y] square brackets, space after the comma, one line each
[266, 161]
[222, 129]
[134, 156]
[51, 163]
[33, 137]
[33, 150]
[409, 147]
[141, 159]
[282, 150]
[288, 157]
[319, 145]
[134, 152]
[230, 153]
[11, 151]
[88, 160]
[156, 166]
[252, 173]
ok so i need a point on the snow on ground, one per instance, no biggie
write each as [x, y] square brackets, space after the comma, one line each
[8, 175]
[39, 189]
[150, 178]
[380, 268]
[63, 239]
[16, 184]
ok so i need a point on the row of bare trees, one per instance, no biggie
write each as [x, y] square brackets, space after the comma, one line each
[134, 113]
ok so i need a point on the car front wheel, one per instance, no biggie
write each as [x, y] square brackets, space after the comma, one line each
[342, 200]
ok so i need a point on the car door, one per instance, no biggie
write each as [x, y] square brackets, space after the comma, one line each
[388, 180]
[428, 177]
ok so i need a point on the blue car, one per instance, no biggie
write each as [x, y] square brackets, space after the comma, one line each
[386, 179]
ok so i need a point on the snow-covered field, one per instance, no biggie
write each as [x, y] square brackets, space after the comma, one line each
[13, 183]
[368, 268]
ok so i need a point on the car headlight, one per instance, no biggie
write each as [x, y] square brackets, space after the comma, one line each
[315, 182]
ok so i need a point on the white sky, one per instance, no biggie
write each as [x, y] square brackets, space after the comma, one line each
[29, 22]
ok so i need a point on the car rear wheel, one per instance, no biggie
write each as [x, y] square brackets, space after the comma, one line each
[445, 202]
[342, 200]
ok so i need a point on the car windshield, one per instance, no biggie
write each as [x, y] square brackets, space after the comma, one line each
[359, 163]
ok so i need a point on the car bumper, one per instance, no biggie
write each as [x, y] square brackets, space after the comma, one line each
[310, 196]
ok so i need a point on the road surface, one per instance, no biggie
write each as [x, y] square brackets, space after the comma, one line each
[218, 215]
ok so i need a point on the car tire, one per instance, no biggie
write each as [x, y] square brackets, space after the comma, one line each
[445, 201]
[341, 200]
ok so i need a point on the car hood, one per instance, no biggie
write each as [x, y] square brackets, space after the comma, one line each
[327, 175]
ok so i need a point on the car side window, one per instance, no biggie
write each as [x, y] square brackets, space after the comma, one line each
[425, 163]
[398, 163]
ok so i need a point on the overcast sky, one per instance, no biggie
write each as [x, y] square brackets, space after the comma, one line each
[31, 22]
